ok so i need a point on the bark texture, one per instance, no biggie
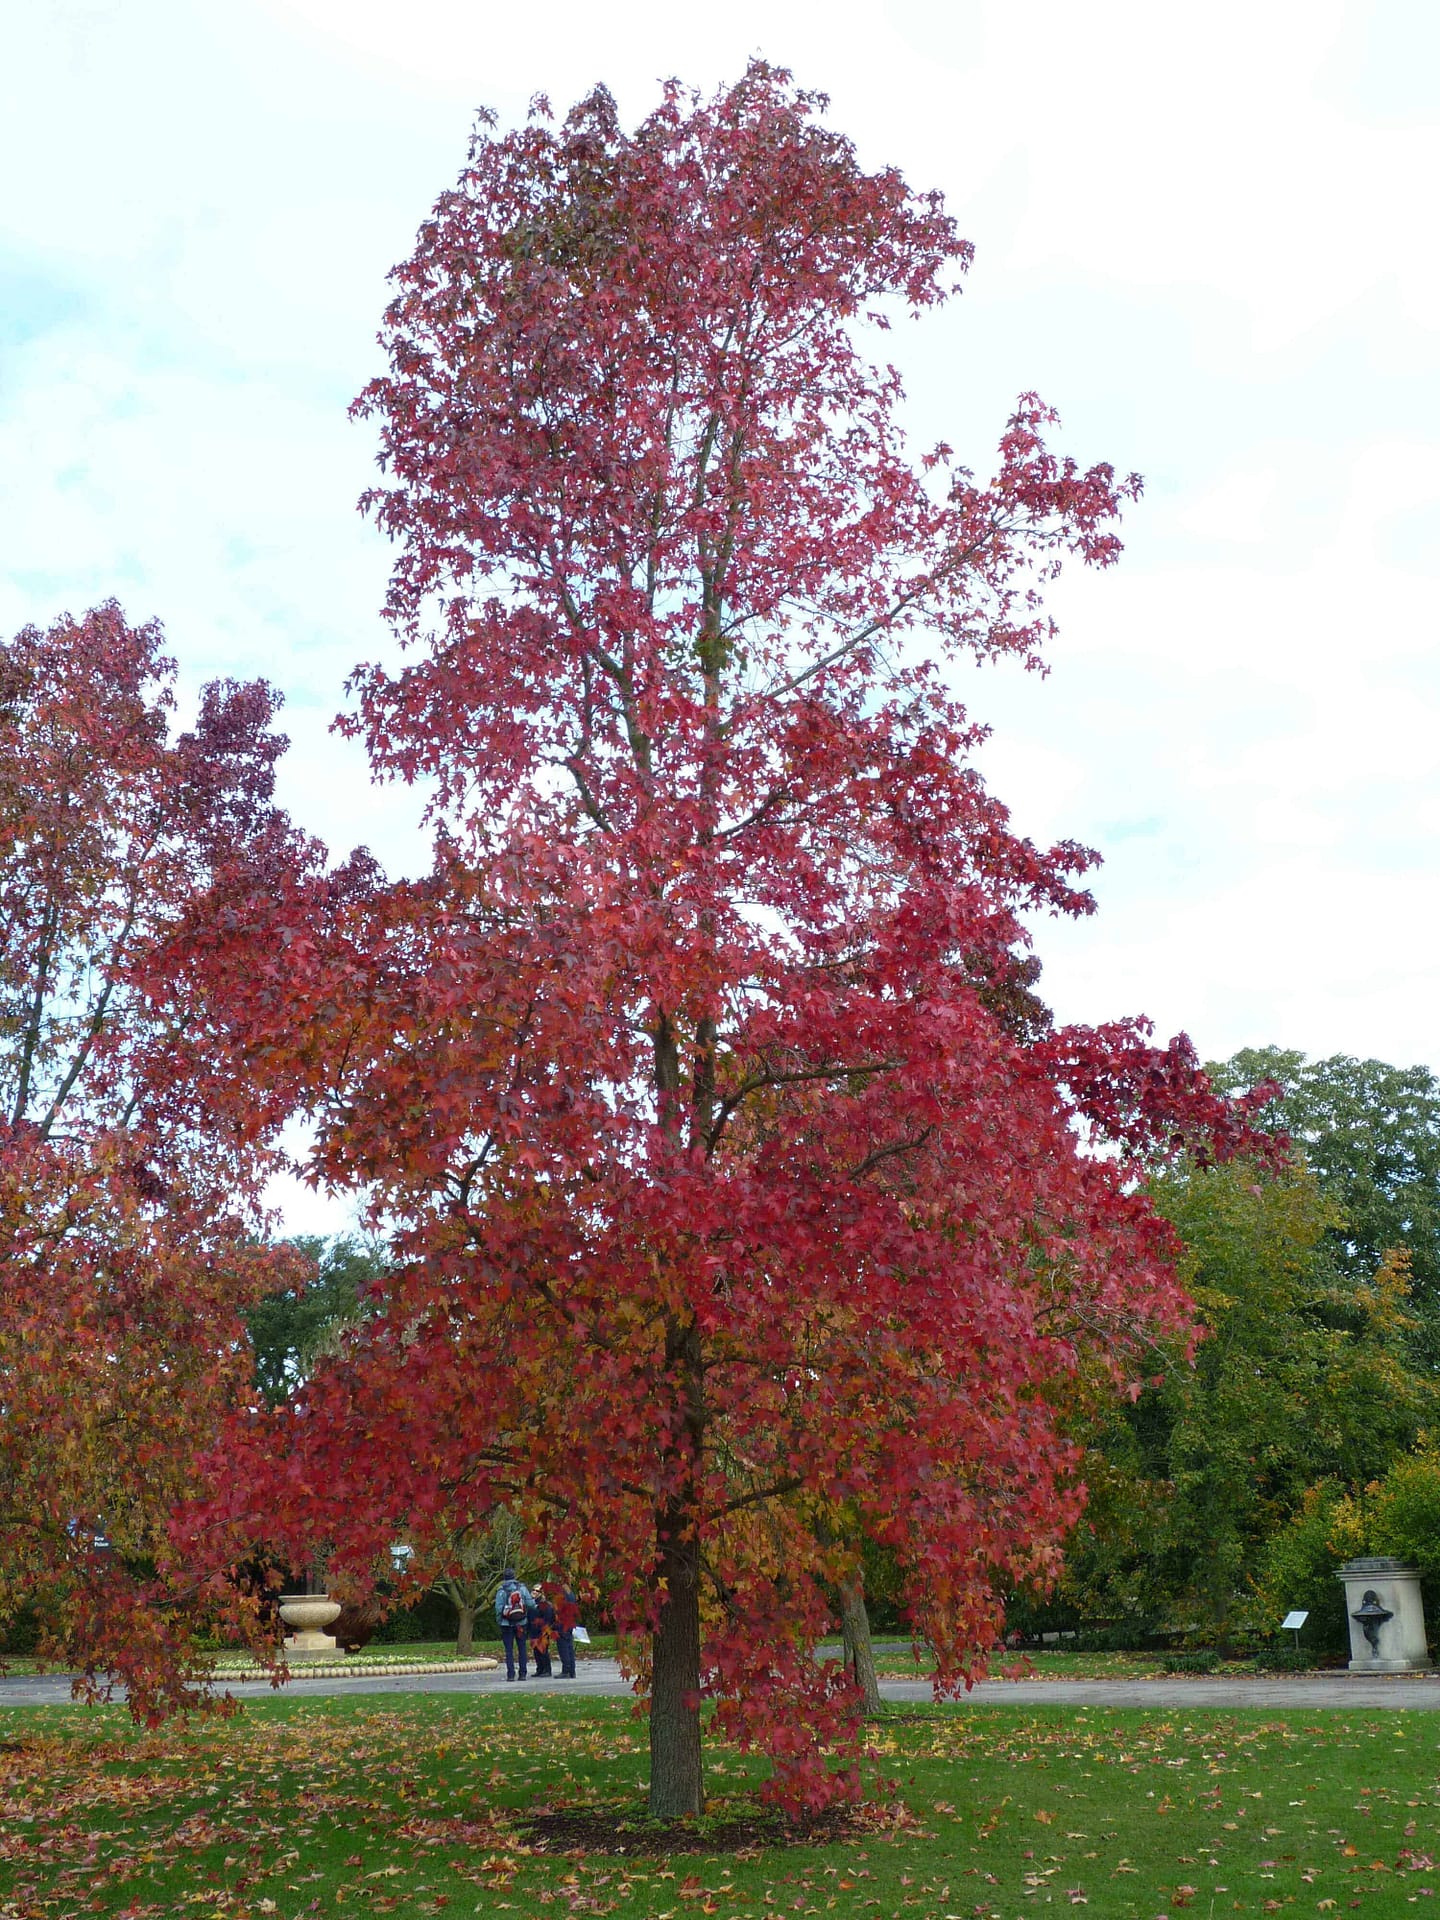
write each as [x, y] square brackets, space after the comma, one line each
[465, 1633]
[859, 1653]
[677, 1781]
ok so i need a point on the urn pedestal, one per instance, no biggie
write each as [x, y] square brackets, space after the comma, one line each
[1387, 1622]
[308, 1614]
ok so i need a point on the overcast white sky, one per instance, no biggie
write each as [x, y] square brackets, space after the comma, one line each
[1208, 235]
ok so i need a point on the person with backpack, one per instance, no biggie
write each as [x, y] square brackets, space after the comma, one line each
[514, 1610]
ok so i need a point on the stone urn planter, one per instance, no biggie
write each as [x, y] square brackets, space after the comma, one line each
[308, 1615]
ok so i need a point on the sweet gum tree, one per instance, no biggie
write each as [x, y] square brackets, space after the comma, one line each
[736, 1168]
[126, 1224]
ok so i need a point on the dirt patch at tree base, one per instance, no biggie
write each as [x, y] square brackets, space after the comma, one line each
[609, 1831]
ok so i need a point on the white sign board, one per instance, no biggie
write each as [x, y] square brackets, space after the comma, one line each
[1293, 1622]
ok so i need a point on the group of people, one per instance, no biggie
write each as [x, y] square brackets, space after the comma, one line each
[535, 1624]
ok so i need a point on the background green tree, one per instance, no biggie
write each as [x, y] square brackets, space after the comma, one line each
[1304, 1376]
[290, 1328]
[480, 1553]
[1370, 1133]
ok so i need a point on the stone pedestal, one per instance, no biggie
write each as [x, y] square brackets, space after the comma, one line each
[1387, 1623]
[309, 1614]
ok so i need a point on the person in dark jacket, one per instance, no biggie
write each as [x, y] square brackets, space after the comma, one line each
[567, 1618]
[543, 1632]
[514, 1610]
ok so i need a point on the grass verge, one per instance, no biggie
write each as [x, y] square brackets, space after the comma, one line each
[896, 1659]
[413, 1804]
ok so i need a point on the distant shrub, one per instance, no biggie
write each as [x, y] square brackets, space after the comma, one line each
[21, 1632]
[1284, 1660]
[1298, 1569]
[431, 1617]
[1202, 1660]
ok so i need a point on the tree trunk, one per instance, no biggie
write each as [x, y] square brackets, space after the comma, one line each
[465, 1635]
[677, 1781]
[677, 1778]
[859, 1654]
[1220, 1610]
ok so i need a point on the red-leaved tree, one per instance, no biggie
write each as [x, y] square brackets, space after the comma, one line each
[126, 1226]
[737, 1169]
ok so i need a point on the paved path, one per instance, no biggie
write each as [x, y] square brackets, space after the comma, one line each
[1297, 1694]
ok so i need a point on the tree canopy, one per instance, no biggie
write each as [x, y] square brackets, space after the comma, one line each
[293, 1326]
[1370, 1133]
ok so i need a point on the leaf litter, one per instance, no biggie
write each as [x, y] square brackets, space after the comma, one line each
[435, 1807]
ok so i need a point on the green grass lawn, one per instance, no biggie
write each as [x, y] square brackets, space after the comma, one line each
[405, 1804]
[896, 1659]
